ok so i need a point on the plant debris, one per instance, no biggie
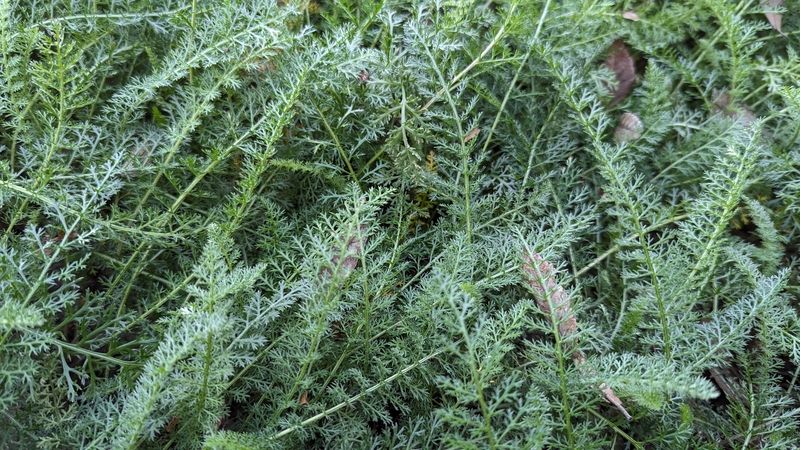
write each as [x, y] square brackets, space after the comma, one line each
[473, 133]
[621, 62]
[629, 129]
[775, 19]
[630, 15]
[550, 295]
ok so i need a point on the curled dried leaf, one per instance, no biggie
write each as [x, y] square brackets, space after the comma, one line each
[612, 398]
[620, 62]
[629, 129]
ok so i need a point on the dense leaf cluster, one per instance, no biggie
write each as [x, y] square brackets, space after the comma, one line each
[305, 224]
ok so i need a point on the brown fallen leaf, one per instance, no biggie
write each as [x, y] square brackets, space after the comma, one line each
[473, 133]
[775, 19]
[629, 129]
[630, 15]
[542, 280]
[612, 398]
[541, 277]
[172, 424]
[620, 62]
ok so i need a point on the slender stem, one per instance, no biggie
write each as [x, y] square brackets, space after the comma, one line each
[108, 16]
[449, 86]
[752, 418]
[337, 144]
[94, 354]
[361, 395]
[636, 444]
[516, 76]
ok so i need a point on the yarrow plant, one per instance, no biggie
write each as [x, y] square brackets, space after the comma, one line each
[399, 223]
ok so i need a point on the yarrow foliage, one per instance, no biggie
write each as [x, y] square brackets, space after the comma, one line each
[399, 224]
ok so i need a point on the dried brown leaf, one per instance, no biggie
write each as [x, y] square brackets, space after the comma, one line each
[629, 129]
[542, 280]
[775, 19]
[620, 62]
[473, 133]
[612, 398]
[541, 277]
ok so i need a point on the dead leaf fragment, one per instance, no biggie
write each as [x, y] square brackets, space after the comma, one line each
[430, 161]
[612, 398]
[629, 129]
[172, 424]
[542, 280]
[630, 15]
[353, 252]
[541, 276]
[473, 133]
[775, 19]
[620, 62]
